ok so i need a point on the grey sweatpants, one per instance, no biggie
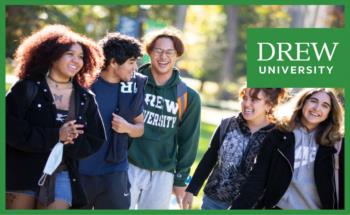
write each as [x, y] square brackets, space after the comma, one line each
[150, 189]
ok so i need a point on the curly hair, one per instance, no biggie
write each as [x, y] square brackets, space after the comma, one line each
[36, 54]
[172, 33]
[274, 96]
[119, 47]
[328, 132]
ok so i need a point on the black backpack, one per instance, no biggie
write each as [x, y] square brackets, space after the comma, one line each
[31, 91]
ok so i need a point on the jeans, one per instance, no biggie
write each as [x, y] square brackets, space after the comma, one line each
[213, 204]
[63, 190]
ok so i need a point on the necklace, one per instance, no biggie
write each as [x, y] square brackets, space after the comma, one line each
[59, 84]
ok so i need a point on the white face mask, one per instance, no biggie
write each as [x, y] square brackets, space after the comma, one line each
[53, 161]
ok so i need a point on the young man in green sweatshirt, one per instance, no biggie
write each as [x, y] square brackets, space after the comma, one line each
[161, 159]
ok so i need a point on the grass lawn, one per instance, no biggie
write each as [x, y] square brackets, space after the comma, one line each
[207, 130]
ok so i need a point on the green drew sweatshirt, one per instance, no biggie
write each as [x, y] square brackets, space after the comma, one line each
[167, 144]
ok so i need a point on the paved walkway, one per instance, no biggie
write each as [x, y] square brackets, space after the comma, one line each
[214, 115]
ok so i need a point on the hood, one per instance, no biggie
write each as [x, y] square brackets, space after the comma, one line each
[173, 81]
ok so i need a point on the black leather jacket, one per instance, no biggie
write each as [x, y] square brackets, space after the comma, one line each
[273, 171]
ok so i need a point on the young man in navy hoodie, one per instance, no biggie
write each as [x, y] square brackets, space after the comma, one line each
[119, 93]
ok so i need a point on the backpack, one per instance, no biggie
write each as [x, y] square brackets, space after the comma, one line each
[223, 128]
[182, 97]
[31, 91]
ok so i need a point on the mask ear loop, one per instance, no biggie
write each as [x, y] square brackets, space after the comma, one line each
[42, 179]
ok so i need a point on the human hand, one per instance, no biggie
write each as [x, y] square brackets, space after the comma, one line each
[179, 193]
[119, 124]
[70, 131]
[187, 201]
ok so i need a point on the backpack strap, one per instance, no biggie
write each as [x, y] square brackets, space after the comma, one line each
[182, 97]
[223, 128]
[31, 91]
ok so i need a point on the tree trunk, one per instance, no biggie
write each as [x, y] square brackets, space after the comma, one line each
[297, 13]
[229, 57]
[311, 16]
[181, 12]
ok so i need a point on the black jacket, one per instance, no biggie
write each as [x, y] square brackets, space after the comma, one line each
[224, 184]
[32, 131]
[273, 171]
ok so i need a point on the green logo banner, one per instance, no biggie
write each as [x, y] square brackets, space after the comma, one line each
[297, 57]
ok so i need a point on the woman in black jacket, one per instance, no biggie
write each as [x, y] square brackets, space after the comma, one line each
[233, 148]
[298, 165]
[50, 104]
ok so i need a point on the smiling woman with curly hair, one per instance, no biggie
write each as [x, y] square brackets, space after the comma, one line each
[49, 106]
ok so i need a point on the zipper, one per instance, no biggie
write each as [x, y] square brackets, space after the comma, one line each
[290, 165]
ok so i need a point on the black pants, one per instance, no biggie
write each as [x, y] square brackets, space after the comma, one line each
[109, 191]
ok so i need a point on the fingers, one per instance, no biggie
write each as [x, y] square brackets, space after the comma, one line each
[179, 201]
[119, 124]
[76, 129]
[187, 201]
[117, 118]
[70, 141]
[70, 131]
[186, 204]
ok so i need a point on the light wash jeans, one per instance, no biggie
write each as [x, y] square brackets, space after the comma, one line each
[213, 204]
[63, 190]
[150, 189]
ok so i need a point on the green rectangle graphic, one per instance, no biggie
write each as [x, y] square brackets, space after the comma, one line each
[297, 57]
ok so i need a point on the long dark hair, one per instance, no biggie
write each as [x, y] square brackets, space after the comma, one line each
[328, 132]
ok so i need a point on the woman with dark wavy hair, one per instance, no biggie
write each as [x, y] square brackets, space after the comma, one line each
[300, 165]
[48, 106]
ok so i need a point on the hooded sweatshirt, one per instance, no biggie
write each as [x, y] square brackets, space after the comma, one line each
[302, 191]
[168, 144]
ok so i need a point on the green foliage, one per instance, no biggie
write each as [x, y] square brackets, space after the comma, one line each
[204, 41]
[22, 20]
[205, 31]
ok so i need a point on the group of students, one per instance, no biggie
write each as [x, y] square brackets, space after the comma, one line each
[130, 138]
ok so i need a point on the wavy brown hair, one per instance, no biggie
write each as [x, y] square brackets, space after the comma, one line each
[328, 132]
[36, 54]
[172, 33]
[273, 96]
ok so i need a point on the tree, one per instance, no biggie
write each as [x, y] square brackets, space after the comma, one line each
[21, 21]
[181, 12]
[231, 32]
[311, 16]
